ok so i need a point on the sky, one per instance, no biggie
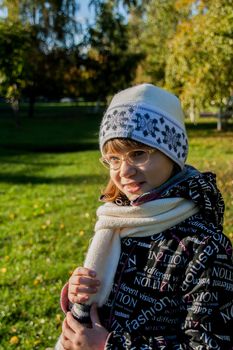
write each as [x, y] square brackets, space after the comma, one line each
[85, 13]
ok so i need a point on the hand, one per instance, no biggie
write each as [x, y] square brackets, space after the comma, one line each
[77, 337]
[82, 283]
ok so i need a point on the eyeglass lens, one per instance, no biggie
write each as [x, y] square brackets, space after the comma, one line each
[135, 157]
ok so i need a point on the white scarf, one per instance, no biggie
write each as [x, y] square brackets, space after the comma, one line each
[115, 222]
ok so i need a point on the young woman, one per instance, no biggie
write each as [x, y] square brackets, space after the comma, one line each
[158, 272]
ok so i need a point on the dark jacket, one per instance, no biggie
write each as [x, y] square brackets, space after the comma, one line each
[173, 290]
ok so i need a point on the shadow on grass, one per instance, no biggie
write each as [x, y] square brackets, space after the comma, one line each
[61, 180]
[201, 126]
[54, 110]
[204, 129]
[55, 148]
[54, 130]
[8, 158]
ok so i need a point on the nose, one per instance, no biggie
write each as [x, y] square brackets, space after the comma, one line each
[126, 169]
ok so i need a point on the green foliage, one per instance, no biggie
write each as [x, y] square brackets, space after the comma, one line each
[54, 64]
[110, 64]
[25, 69]
[156, 24]
[128, 4]
[199, 66]
[187, 47]
[15, 42]
[52, 20]
[35, 39]
[184, 45]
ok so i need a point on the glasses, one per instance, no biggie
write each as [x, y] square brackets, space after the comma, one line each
[136, 158]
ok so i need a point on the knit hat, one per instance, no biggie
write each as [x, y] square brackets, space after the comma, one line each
[150, 115]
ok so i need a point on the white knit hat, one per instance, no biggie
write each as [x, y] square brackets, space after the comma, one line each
[150, 115]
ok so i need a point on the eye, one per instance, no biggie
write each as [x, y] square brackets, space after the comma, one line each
[137, 154]
[113, 159]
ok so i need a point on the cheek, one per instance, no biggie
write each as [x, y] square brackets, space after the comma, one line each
[159, 171]
[117, 183]
[114, 177]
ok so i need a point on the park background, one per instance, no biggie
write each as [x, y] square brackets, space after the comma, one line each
[58, 70]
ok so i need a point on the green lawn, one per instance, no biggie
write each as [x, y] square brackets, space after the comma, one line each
[50, 179]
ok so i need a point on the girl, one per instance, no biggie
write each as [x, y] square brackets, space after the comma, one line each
[159, 267]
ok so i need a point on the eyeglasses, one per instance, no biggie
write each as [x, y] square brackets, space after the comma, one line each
[136, 158]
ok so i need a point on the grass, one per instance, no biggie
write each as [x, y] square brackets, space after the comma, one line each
[50, 179]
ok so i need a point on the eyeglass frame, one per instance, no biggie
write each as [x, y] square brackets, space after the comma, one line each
[107, 165]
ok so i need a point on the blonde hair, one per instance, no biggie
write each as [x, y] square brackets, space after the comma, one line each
[111, 191]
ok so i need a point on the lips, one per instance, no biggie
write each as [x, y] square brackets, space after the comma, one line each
[133, 187]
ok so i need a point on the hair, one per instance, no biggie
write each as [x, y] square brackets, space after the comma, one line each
[111, 191]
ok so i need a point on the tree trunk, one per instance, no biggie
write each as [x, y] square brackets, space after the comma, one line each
[192, 113]
[15, 108]
[31, 106]
[219, 121]
[220, 116]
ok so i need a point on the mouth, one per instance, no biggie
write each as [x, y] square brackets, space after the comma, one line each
[133, 187]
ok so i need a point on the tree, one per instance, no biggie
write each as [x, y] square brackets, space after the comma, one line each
[199, 67]
[15, 42]
[155, 24]
[53, 20]
[45, 31]
[110, 64]
[128, 4]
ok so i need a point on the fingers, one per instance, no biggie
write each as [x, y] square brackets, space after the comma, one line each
[84, 271]
[76, 336]
[73, 325]
[82, 283]
[66, 336]
[71, 329]
[80, 289]
[78, 282]
[67, 332]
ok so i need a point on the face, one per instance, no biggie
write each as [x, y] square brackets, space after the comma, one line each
[136, 180]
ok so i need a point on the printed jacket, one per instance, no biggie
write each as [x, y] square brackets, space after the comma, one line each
[173, 290]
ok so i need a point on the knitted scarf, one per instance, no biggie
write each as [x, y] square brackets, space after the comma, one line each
[115, 222]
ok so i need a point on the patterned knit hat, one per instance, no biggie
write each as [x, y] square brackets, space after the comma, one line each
[150, 115]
